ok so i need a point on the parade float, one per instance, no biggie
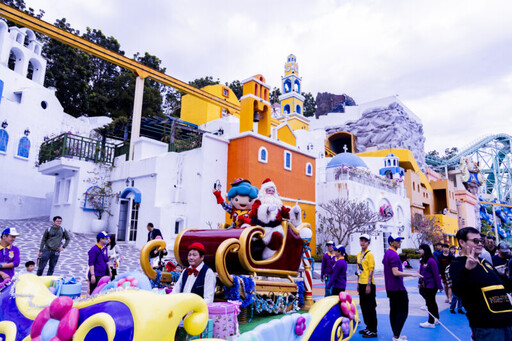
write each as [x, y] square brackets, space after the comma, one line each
[133, 308]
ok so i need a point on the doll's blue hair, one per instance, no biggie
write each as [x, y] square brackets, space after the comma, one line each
[245, 189]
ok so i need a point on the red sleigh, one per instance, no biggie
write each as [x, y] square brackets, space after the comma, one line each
[233, 252]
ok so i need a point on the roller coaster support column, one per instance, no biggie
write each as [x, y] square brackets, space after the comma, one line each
[137, 110]
[308, 276]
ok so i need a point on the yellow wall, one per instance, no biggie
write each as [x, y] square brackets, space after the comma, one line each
[450, 225]
[285, 135]
[197, 111]
[297, 124]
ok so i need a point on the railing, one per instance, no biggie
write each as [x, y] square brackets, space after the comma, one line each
[365, 177]
[73, 146]
[186, 144]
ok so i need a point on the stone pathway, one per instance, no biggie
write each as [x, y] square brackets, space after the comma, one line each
[73, 260]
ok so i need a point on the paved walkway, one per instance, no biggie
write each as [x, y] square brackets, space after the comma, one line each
[73, 260]
[457, 324]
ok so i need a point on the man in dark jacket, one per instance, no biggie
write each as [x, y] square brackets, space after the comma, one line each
[51, 246]
[478, 284]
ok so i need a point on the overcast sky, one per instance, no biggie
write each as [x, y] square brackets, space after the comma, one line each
[449, 61]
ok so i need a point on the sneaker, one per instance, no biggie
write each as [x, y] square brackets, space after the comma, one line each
[460, 311]
[437, 322]
[364, 331]
[427, 325]
[452, 311]
[402, 338]
[370, 334]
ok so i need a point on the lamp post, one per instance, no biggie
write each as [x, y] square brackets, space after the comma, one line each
[306, 234]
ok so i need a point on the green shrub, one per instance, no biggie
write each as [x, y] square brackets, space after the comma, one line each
[351, 259]
[317, 258]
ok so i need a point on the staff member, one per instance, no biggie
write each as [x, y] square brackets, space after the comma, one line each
[366, 287]
[98, 260]
[395, 289]
[9, 254]
[328, 261]
[338, 280]
[198, 278]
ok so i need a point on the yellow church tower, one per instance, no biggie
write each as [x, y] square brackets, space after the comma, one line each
[292, 101]
[255, 105]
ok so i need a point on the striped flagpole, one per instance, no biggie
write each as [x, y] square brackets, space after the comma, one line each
[308, 278]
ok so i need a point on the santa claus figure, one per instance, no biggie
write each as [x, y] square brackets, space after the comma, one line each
[268, 211]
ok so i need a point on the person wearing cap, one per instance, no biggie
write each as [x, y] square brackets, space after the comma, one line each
[366, 287]
[51, 246]
[241, 196]
[328, 261]
[500, 259]
[395, 289]
[197, 278]
[9, 254]
[98, 260]
[483, 293]
[338, 281]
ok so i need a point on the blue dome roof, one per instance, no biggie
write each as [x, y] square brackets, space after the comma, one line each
[346, 159]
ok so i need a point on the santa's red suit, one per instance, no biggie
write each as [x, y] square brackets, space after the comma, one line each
[268, 211]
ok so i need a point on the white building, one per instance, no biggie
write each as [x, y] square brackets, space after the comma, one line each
[29, 113]
[347, 176]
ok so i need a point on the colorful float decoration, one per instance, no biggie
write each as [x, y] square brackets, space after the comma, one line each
[386, 211]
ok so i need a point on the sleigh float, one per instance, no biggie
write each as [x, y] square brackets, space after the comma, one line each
[238, 252]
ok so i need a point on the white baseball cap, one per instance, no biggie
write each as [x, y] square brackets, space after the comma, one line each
[11, 231]
[394, 237]
[365, 236]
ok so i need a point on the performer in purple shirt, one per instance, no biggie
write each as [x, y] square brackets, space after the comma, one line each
[98, 261]
[395, 289]
[9, 254]
[338, 281]
[328, 261]
[429, 284]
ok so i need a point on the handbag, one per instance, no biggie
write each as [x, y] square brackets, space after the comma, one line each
[421, 281]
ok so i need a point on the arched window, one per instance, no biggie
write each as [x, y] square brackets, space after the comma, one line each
[4, 140]
[286, 109]
[24, 147]
[309, 169]
[263, 155]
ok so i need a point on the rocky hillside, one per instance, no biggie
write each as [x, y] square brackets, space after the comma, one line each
[387, 127]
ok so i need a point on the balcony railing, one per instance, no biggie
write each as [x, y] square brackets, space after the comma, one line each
[77, 147]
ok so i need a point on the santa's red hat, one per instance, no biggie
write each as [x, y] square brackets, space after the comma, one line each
[267, 183]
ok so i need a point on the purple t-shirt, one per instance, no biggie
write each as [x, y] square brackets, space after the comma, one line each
[327, 264]
[430, 273]
[99, 258]
[339, 276]
[10, 255]
[392, 260]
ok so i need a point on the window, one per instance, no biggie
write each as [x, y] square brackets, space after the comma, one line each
[263, 155]
[4, 140]
[24, 147]
[225, 92]
[287, 160]
[309, 169]
[178, 226]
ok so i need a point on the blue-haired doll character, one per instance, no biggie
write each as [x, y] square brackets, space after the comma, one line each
[241, 197]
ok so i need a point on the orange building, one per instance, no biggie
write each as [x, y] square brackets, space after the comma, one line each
[256, 157]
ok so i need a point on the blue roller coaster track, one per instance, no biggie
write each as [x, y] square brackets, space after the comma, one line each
[493, 153]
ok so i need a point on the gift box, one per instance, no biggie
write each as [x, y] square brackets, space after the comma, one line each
[67, 286]
[225, 319]
[181, 334]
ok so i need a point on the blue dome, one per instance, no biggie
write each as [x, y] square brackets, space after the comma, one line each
[346, 159]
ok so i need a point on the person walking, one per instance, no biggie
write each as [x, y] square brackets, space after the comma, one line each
[429, 284]
[395, 289]
[98, 261]
[114, 255]
[366, 287]
[444, 260]
[478, 284]
[438, 251]
[328, 261]
[9, 254]
[51, 246]
[338, 280]
[153, 232]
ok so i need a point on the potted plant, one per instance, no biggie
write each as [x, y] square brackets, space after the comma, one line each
[98, 197]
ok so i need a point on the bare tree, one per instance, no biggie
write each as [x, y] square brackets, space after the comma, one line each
[427, 229]
[339, 218]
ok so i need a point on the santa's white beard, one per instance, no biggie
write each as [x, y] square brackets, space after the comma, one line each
[270, 200]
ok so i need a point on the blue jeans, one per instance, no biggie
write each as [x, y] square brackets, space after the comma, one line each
[53, 257]
[492, 334]
[328, 292]
[456, 301]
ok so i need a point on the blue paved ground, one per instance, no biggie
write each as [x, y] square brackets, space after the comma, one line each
[456, 323]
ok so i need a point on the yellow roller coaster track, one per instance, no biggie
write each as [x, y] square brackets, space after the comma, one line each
[140, 70]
